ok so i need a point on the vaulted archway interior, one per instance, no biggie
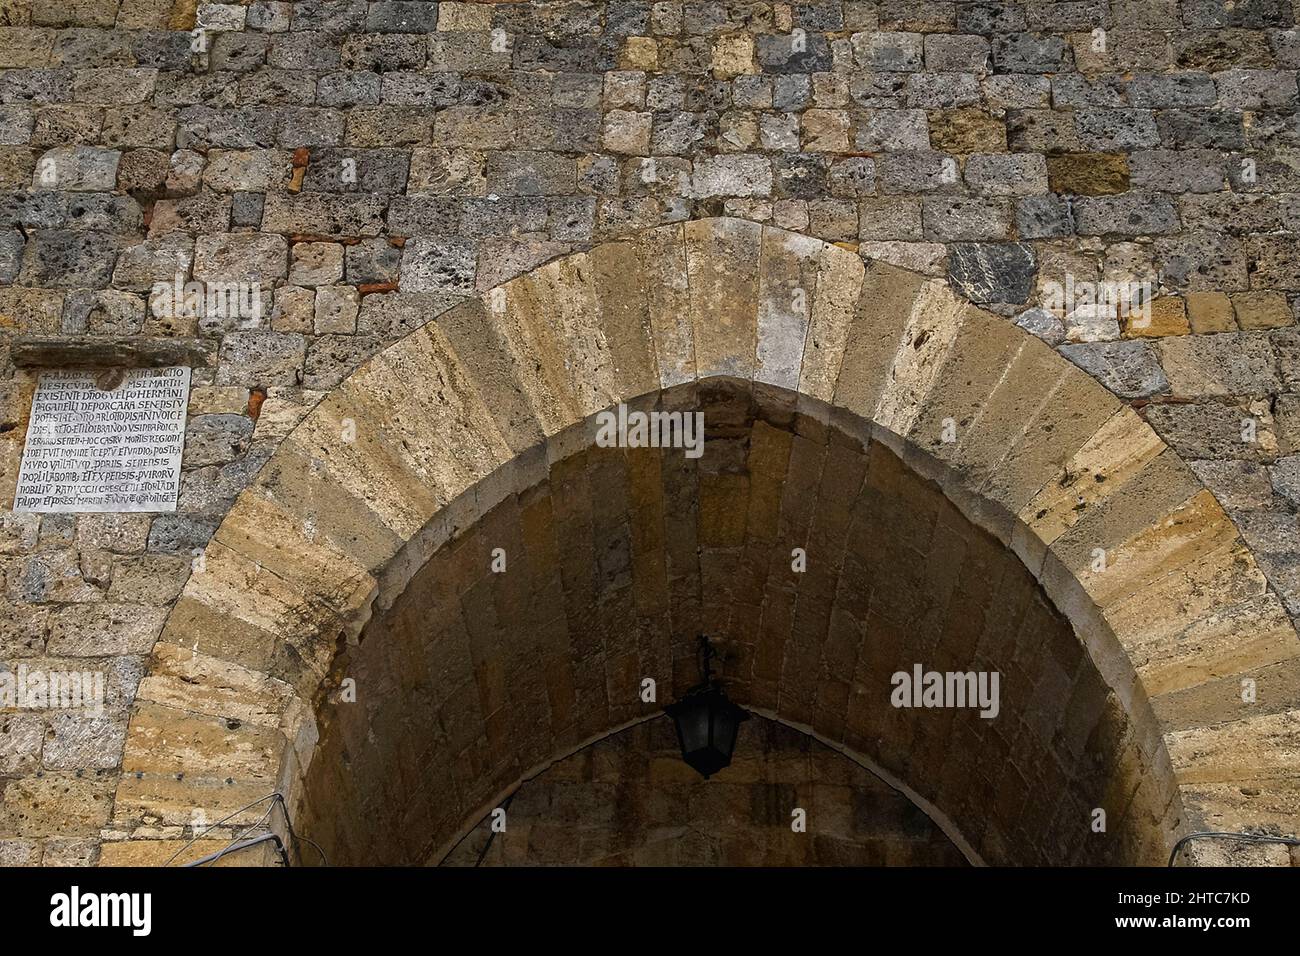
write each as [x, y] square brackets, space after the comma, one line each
[531, 632]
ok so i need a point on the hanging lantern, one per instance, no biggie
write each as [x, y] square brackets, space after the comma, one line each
[706, 720]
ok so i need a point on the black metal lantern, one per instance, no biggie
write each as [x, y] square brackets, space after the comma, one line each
[706, 720]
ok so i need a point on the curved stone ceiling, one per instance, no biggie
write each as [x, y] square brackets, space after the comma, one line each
[531, 633]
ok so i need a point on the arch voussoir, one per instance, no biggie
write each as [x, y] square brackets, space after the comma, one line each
[722, 268]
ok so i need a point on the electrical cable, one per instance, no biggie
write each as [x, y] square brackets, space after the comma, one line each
[239, 842]
[236, 846]
[199, 836]
[239, 837]
[293, 837]
[1223, 835]
[492, 833]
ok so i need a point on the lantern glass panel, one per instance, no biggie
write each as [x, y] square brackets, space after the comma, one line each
[706, 723]
[693, 725]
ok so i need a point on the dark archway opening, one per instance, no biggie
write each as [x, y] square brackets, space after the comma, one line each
[628, 800]
[477, 679]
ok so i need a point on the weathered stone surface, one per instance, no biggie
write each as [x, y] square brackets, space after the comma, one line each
[1131, 214]
[1209, 312]
[1216, 430]
[437, 265]
[64, 259]
[260, 358]
[1199, 262]
[254, 259]
[77, 168]
[998, 174]
[371, 165]
[992, 272]
[928, 334]
[1262, 310]
[722, 270]
[316, 263]
[1236, 364]
[1129, 369]
[884, 304]
[1044, 324]
[1088, 174]
[1043, 217]
[731, 176]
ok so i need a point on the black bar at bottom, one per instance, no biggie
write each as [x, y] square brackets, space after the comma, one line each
[618, 907]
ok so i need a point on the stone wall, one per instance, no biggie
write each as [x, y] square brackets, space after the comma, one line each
[368, 165]
[629, 800]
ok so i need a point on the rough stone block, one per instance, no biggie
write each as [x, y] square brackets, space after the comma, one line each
[1239, 363]
[316, 263]
[232, 258]
[1262, 310]
[1131, 214]
[1088, 174]
[336, 309]
[437, 265]
[992, 272]
[1129, 369]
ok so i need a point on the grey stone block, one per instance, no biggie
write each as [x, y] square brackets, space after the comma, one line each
[1043, 324]
[1251, 14]
[437, 265]
[530, 174]
[1200, 129]
[1104, 129]
[942, 90]
[184, 533]
[61, 259]
[949, 53]
[260, 357]
[1256, 89]
[11, 253]
[916, 171]
[889, 52]
[402, 16]
[72, 168]
[1128, 214]
[989, 272]
[1028, 53]
[382, 171]
[1129, 369]
[1007, 174]
[1160, 91]
[1043, 217]
[349, 88]
[794, 53]
[372, 261]
[1177, 171]
[1202, 262]
[960, 219]
[1285, 476]
[891, 130]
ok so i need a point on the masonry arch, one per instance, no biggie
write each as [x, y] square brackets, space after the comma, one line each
[390, 474]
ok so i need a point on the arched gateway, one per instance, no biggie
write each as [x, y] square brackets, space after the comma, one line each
[966, 499]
